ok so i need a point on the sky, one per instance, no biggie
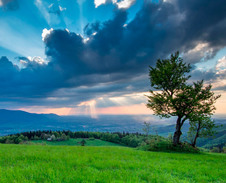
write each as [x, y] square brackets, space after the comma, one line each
[92, 57]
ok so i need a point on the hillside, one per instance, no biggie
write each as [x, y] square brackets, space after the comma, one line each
[36, 163]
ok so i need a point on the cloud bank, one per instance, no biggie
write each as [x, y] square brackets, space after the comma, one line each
[111, 58]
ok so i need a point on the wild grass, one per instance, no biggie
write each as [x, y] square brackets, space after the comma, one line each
[77, 164]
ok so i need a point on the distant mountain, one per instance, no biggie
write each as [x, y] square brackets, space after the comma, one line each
[17, 116]
[14, 121]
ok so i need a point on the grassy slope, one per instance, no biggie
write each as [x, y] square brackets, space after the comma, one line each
[36, 163]
[75, 142]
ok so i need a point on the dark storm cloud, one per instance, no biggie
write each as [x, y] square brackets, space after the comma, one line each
[156, 31]
[8, 73]
[203, 17]
[32, 81]
[10, 5]
[118, 52]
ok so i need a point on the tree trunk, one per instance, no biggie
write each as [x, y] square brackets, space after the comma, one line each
[196, 136]
[177, 133]
[195, 139]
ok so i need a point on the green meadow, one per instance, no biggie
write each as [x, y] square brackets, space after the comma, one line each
[75, 164]
[76, 142]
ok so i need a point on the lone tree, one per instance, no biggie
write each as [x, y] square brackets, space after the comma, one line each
[173, 96]
[147, 128]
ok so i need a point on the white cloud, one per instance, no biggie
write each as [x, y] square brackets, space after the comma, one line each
[124, 4]
[220, 81]
[45, 33]
[221, 64]
[85, 40]
[36, 59]
[67, 30]
[200, 47]
[99, 2]
[202, 51]
[61, 8]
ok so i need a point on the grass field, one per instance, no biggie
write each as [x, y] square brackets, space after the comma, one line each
[74, 164]
[76, 142]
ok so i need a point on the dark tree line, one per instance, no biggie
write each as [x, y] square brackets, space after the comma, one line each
[124, 138]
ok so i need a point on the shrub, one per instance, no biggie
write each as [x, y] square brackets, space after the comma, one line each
[167, 146]
[215, 150]
[224, 149]
[83, 142]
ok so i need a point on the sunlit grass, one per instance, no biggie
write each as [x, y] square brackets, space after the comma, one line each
[37, 163]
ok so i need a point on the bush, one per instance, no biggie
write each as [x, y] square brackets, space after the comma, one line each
[224, 149]
[215, 150]
[204, 150]
[167, 146]
[83, 142]
[36, 138]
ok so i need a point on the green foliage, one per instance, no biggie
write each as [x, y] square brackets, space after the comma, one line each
[83, 142]
[206, 126]
[33, 163]
[201, 126]
[36, 137]
[53, 138]
[169, 76]
[64, 137]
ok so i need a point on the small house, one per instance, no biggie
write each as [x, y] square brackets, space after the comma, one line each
[49, 139]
